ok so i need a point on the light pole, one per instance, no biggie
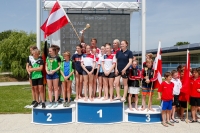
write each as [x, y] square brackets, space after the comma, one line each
[143, 30]
[38, 16]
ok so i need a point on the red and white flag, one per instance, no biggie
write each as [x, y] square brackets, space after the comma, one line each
[186, 79]
[56, 20]
[157, 65]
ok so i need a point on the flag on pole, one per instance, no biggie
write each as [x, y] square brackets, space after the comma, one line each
[186, 79]
[157, 65]
[56, 20]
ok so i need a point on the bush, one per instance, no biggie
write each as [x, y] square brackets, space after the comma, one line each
[14, 51]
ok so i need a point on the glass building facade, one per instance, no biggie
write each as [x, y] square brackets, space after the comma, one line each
[170, 63]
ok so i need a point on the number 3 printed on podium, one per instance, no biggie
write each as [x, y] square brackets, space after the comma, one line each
[148, 118]
[100, 113]
[49, 117]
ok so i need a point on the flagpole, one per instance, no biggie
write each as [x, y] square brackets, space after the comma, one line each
[187, 120]
[69, 21]
[153, 76]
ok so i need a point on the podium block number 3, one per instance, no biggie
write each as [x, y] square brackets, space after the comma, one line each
[148, 118]
[100, 113]
[49, 117]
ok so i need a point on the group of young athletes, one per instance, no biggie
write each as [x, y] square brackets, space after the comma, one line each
[175, 100]
[107, 65]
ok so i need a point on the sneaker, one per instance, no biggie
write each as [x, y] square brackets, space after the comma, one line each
[55, 104]
[43, 105]
[33, 102]
[65, 104]
[68, 104]
[35, 105]
[50, 105]
[59, 100]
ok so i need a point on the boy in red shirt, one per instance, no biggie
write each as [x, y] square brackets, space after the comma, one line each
[195, 94]
[166, 88]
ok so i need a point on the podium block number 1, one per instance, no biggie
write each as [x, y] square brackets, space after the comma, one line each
[100, 113]
[49, 117]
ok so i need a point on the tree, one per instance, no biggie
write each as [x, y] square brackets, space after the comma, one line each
[14, 51]
[5, 34]
[181, 43]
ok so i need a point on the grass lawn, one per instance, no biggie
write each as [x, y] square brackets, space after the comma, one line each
[14, 98]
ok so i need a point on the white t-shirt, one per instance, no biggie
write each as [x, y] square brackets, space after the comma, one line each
[109, 60]
[88, 59]
[177, 86]
[99, 63]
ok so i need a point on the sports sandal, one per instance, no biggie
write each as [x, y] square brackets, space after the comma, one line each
[164, 124]
[174, 120]
[171, 124]
[192, 121]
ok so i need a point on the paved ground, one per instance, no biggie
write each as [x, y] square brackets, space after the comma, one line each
[14, 83]
[21, 123]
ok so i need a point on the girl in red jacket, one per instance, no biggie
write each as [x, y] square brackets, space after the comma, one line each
[134, 84]
[195, 94]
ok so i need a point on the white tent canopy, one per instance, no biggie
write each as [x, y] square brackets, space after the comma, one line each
[95, 5]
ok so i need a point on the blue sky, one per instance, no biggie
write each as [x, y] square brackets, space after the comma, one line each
[167, 20]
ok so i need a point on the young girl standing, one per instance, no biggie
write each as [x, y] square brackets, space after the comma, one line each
[100, 74]
[88, 63]
[148, 77]
[52, 68]
[134, 84]
[108, 65]
[35, 67]
[76, 58]
[66, 77]
[176, 92]
[195, 93]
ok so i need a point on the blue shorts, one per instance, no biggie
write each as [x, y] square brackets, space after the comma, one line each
[166, 105]
[54, 76]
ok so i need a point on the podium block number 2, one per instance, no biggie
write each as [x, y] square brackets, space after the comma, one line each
[100, 113]
[49, 117]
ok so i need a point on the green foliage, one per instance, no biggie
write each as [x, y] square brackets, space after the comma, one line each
[14, 51]
[181, 43]
[5, 34]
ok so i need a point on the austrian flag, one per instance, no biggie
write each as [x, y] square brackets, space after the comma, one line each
[158, 67]
[56, 20]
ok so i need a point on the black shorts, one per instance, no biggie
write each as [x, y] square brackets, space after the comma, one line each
[36, 82]
[111, 75]
[183, 104]
[100, 74]
[80, 72]
[194, 101]
[125, 76]
[89, 68]
[95, 71]
[176, 101]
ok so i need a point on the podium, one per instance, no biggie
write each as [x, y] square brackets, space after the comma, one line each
[54, 116]
[99, 111]
[144, 117]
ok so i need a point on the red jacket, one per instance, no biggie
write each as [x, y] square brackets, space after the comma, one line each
[167, 91]
[182, 96]
[194, 85]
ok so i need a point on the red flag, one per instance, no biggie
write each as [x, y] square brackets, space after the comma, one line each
[158, 67]
[186, 79]
[56, 20]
